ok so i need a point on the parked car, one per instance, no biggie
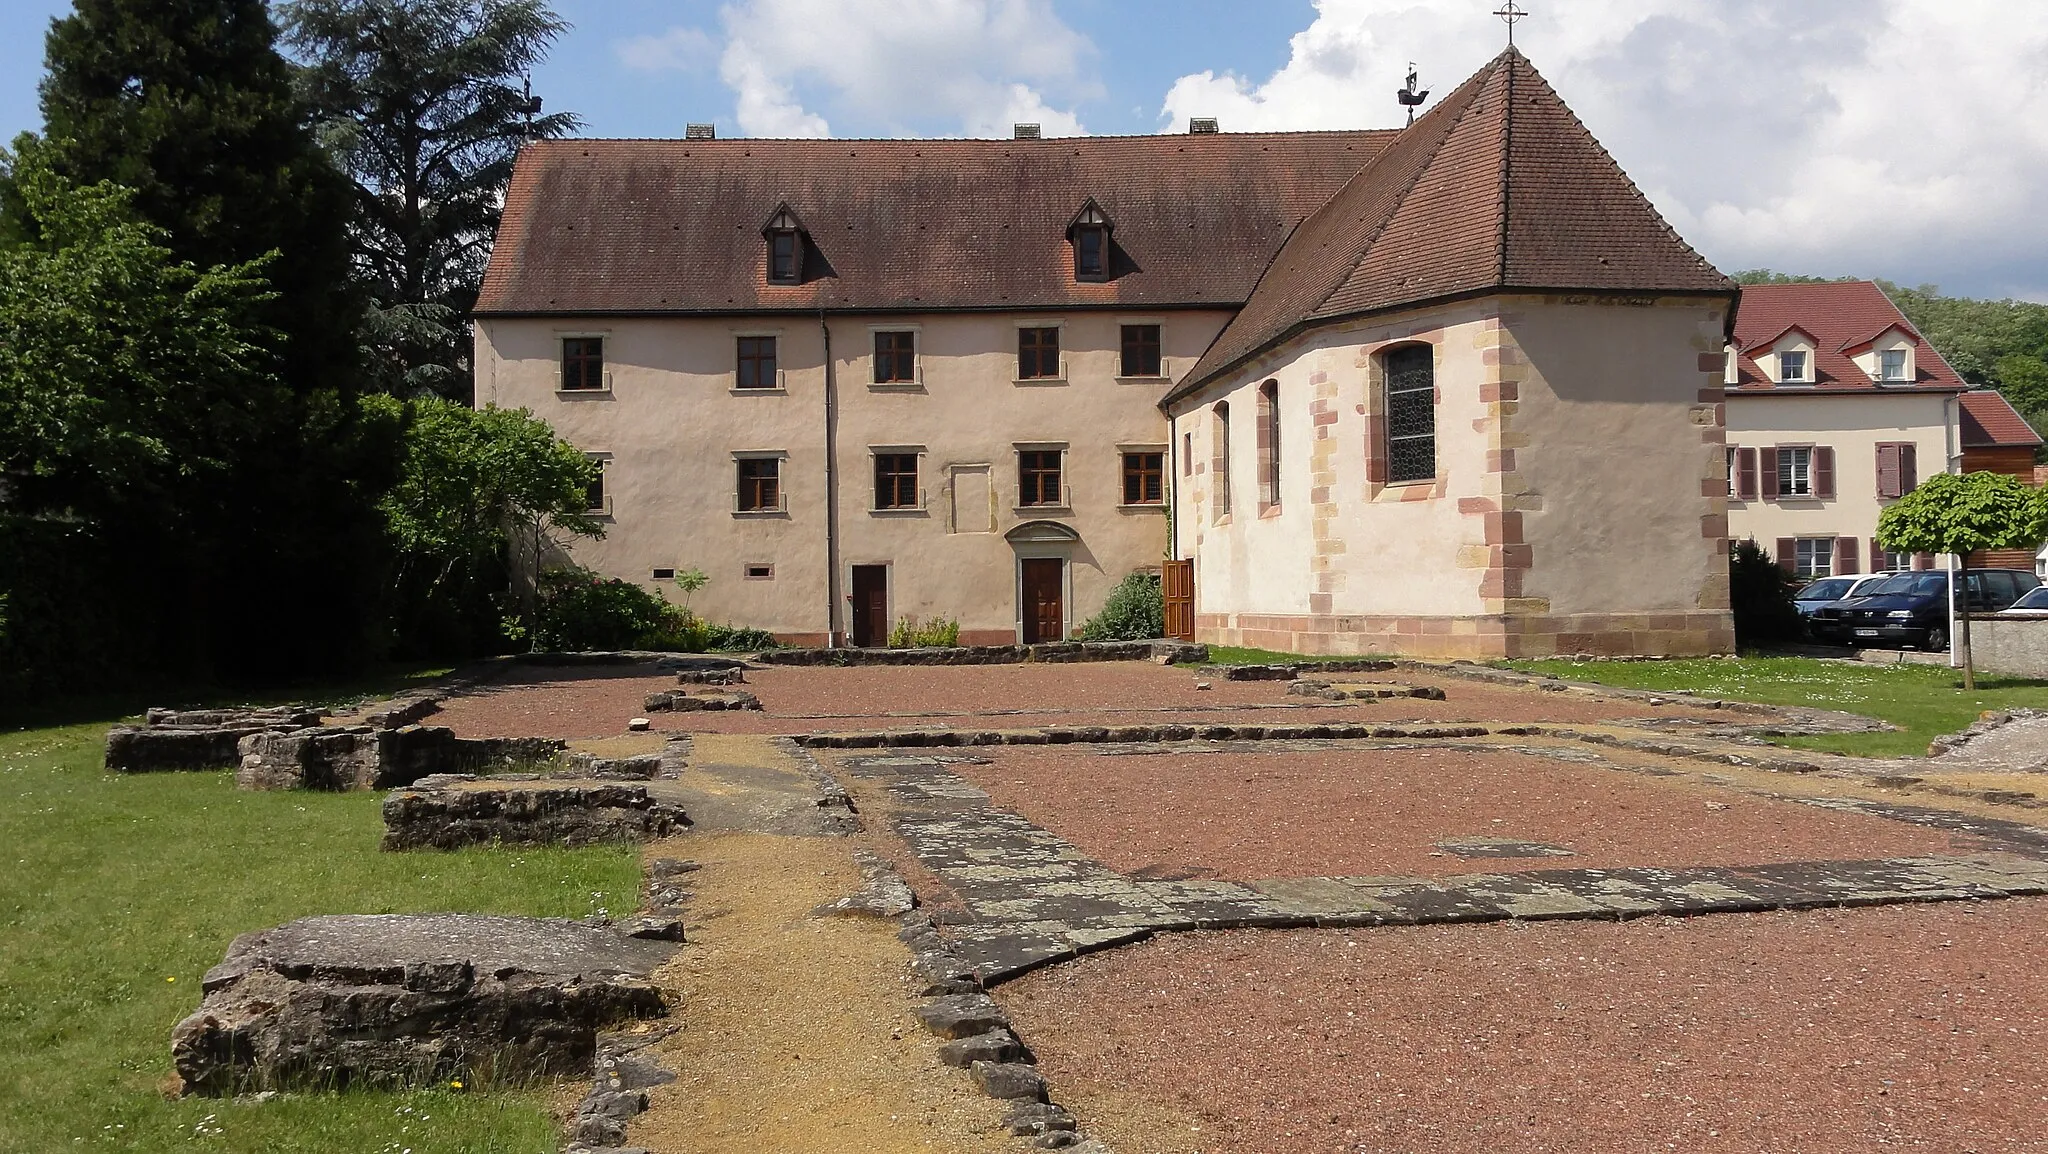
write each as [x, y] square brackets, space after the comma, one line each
[1825, 591]
[1912, 608]
[2034, 603]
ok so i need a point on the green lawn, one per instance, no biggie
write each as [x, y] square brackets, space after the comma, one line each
[117, 893]
[1924, 701]
[1232, 655]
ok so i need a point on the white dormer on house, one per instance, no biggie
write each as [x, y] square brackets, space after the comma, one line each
[1791, 359]
[1887, 359]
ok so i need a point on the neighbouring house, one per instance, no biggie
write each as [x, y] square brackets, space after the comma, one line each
[1453, 389]
[1996, 439]
[1836, 406]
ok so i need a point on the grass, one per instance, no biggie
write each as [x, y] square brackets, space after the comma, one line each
[1233, 655]
[116, 894]
[1924, 701]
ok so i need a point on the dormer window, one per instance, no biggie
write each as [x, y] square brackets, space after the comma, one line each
[785, 247]
[1792, 366]
[1891, 365]
[1090, 235]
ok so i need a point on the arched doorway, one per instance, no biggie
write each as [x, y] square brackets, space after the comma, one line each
[1045, 552]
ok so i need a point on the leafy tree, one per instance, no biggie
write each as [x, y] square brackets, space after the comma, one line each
[1962, 514]
[130, 386]
[188, 103]
[470, 480]
[1769, 276]
[420, 102]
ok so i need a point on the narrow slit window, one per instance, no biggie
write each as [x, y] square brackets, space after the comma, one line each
[595, 497]
[1411, 414]
[1269, 444]
[1219, 466]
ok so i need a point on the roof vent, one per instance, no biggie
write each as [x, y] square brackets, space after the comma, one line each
[1024, 131]
[1201, 125]
[700, 132]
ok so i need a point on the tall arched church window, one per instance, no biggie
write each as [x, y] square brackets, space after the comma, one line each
[1411, 414]
[1269, 444]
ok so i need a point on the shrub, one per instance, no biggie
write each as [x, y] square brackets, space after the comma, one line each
[580, 610]
[1135, 611]
[909, 633]
[1760, 594]
[738, 639]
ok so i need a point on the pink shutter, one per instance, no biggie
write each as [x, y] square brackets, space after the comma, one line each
[1845, 556]
[1745, 475]
[1876, 555]
[1909, 476]
[1767, 472]
[1888, 471]
[1824, 472]
[1788, 554]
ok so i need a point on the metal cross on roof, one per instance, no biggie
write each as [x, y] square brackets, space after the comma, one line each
[1510, 12]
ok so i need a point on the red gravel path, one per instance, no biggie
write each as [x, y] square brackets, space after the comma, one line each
[1353, 812]
[1905, 1027]
[595, 702]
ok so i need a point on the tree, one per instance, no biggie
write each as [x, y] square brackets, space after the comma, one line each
[188, 103]
[421, 104]
[469, 479]
[1962, 514]
[130, 386]
[1760, 597]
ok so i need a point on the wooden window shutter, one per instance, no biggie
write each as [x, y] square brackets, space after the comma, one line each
[1888, 470]
[1745, 474]
[1876, 554]
[1845, 556]
[1788, 554]
[1909, 473]
[1767, 470]
[1823, 472]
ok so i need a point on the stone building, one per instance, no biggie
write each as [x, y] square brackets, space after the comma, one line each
[1452, 389]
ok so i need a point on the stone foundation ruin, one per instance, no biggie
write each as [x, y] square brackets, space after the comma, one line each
[451, 811]
[394, 1000]
[364, 757]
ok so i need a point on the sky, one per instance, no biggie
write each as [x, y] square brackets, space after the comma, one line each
[1903, 139]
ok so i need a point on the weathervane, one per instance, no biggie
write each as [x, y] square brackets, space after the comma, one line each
[1409, 96]
[1510, 12]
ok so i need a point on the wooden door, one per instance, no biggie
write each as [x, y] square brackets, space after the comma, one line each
[1045, 616]
[870, 605]
[1177, 589]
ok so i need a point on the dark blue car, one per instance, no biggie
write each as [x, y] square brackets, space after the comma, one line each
[1913, 608]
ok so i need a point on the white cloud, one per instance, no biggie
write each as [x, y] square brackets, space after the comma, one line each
[1898, 138]
[971, 66]
[678, 49]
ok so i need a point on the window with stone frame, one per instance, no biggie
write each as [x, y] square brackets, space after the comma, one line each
[596, 499]
[582, 364]
[1269, 445]
[1038, 476]
[760, 484]
[1140, 351]
[895, 358]
[1144, 478]
[1411, 413]
[756, 364]
[1038, 353]
[1219, 464]
[1795, 471]
[896, 481]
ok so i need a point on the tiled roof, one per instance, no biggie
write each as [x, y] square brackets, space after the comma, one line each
[1990, 422]
[674, 226]
[1841, 317]
[1498, 187]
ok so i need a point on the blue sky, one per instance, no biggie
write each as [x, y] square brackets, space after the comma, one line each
[1905, 139]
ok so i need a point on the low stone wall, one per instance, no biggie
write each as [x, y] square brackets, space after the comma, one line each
[452, 811]
[682, 701]
[1290, 672]
[182, 739]
[395, 1000]
[2011, 646]
[1164, 652]
[365, 757]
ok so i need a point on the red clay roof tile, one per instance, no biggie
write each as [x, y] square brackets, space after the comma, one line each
[1840, 317]
[1989, 421]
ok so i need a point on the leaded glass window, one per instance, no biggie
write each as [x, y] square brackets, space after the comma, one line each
[1411, 414]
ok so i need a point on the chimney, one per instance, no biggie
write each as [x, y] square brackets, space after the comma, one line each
[1024, 132]
[1201, 125]
[700, 132]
